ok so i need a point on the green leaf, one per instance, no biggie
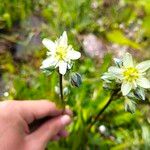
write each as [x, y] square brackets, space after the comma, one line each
[146, 136]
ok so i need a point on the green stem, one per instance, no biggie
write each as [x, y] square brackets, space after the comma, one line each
[102, 110]
[61, 90]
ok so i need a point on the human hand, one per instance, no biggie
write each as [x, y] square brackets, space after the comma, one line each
[15, 117]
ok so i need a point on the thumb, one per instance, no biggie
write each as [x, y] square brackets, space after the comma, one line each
[48, 130]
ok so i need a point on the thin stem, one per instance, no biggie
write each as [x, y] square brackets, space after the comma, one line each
[102, 110]
[61, 89]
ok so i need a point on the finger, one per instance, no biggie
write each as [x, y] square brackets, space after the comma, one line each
[33, 110]
[49, 129]
[63, 133]
[68, 112]
[55, 138]
[37, 123]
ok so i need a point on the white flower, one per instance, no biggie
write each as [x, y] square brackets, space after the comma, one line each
[59, 54]
[130, 75]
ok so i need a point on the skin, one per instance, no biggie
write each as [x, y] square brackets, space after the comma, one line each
[15, 117]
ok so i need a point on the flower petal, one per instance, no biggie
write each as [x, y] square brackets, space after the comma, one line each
[143, 82]
[50, 45]
[143, 66]
[108, 77]
[63, 40]
[126, 88]
[48, 62]
[114, 70]
[127, 60]
[62, 67]
[72, 54]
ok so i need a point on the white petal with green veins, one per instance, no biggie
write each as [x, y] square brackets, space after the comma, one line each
[62, 67]
[73, 55]
[127, 60]
[143, 82]
[114, 70]
[50, 45]
[126, 88]
[63, 39]
[48, 62]
[143, 66]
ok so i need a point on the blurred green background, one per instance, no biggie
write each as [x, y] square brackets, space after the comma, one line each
[100, 30]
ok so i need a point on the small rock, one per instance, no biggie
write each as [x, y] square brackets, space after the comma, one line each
[94, 46]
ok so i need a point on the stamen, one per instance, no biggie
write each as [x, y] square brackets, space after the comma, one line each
[61, 53]
[131, 74]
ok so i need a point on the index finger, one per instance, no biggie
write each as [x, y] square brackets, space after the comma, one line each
[33, 110]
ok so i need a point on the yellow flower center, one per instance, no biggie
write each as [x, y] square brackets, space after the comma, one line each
[131, 74]
[61, 52]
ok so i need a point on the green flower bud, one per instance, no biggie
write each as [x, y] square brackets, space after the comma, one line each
[140, 93]
[76, 79]
[130, 105]
[118, 62]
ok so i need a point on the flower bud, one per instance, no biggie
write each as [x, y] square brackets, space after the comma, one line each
[118, 62]
[76, 79]
[140, 93]
[130, 105]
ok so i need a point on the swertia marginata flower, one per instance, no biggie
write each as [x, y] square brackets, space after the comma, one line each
[59, 54]
[130, 75]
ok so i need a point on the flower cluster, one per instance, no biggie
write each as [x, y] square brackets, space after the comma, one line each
[126, 76]
[59, 54]
[129, 76]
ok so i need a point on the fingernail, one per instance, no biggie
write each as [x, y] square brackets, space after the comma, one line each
[65, 119]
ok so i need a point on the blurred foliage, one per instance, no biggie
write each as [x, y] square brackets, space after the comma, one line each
[120, 22]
